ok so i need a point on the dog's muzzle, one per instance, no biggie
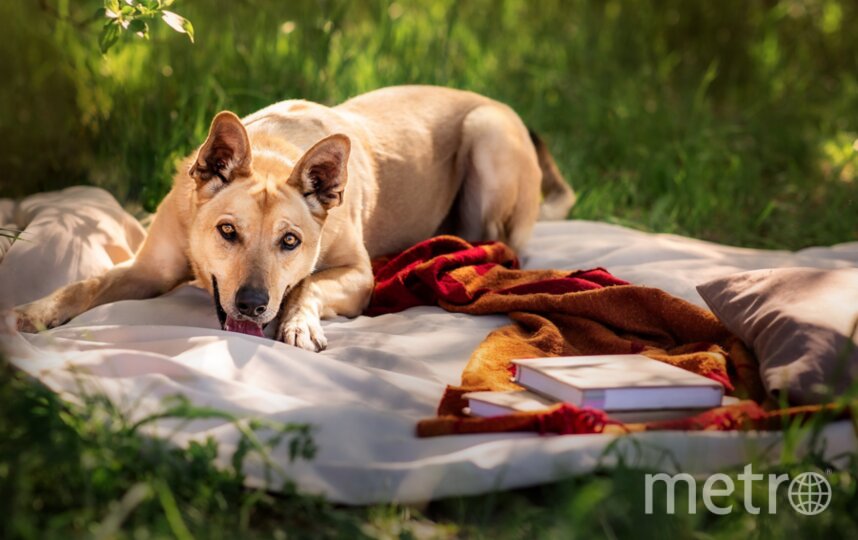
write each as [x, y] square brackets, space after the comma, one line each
[241, 326]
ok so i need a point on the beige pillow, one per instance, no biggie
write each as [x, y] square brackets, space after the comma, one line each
[69, 235]
[800, 323]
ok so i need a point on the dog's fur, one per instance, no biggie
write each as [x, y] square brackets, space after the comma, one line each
[280, 213]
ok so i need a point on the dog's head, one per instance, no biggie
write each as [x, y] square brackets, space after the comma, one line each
[257, 228]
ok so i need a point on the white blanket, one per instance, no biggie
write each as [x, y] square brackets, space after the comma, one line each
[378, 377]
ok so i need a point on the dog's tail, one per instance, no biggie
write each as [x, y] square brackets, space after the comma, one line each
[557, 195]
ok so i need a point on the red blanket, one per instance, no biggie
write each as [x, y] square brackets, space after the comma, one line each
[559, 312]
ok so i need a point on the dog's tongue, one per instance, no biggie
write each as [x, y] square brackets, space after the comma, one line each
[243, 327]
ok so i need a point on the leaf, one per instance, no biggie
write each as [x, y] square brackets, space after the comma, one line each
[111, 5]
[12, 234]
[171, 511]
[109, 35]
[178, 23]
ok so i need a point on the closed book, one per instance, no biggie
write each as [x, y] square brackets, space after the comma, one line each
[623, 382]
[487, 404]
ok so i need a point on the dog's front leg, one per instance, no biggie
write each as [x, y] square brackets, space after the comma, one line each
[343, 290]
[125, 282]
[158, 267]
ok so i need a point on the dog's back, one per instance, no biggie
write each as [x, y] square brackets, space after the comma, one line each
[452, 161]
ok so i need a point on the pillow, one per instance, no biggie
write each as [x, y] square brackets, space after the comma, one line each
[800, 322]
[69, 235]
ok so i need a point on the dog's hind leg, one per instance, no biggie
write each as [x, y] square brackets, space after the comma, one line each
[501, 188]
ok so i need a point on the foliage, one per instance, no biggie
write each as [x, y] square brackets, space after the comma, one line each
[611, 504]
[134, 16]
[87, 471]
[732, 121]
[11, 234]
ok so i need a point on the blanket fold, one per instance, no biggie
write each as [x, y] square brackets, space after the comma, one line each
[568, 313]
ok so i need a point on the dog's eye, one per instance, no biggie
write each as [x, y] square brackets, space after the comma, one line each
[290, 242]
[227, 230]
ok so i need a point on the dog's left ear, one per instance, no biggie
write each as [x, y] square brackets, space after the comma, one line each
[321, 173]
[226, 153]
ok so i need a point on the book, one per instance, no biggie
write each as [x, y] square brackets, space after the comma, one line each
[487, 404]
[623, 382]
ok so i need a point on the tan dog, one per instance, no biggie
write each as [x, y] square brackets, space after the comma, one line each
[280, 213]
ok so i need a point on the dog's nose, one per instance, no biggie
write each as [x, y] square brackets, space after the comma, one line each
[251, 301]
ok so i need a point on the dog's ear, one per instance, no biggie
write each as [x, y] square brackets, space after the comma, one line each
[226, 153]
[321, 173]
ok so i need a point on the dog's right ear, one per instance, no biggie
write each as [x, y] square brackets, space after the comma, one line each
[226, 153]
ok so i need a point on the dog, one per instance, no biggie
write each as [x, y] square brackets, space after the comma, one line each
[278, 214]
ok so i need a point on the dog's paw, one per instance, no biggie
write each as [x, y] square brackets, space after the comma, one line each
[35, 317]
[304, 331]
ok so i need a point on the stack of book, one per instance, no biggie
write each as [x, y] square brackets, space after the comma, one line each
[629, 387]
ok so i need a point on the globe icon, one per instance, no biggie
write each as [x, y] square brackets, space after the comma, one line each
[809, 493]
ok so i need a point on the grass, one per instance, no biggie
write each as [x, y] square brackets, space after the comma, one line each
[84, 471]
[731, 121]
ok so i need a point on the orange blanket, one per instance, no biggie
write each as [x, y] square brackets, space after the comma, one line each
[557, 312]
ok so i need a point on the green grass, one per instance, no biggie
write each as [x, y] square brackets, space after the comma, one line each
[84, 471]
[732, 121]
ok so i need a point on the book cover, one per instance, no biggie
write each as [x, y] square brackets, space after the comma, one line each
[618, 382]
